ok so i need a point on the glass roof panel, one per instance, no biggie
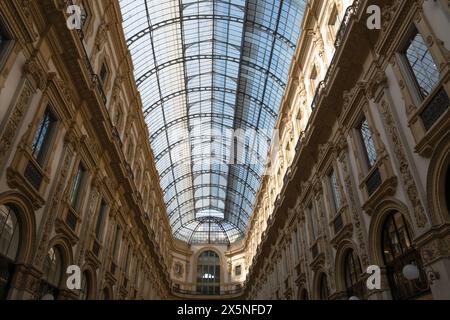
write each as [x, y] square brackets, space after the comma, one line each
[211, 72]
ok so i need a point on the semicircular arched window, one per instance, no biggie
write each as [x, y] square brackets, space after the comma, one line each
[208, 273]
[398, 251]
[9, 247]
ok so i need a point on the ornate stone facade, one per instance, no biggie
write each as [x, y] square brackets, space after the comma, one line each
[45, 67]
[368, 79]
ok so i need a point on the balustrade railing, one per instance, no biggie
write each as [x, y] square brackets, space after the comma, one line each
[340, 35]
[87, 62]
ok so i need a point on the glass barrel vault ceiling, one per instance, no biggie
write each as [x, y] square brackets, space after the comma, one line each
[204, 68]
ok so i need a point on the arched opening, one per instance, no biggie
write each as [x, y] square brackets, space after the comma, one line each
[85, 286]
[9, 247]
[52, 276]
[303, 294]
[324, 292]
[447, 189]
[208, 273]
[398, 252]
[354, 282]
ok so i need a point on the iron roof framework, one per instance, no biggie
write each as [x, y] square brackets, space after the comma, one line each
[203, 69]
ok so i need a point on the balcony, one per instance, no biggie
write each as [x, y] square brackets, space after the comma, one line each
[349, 13]
[340, 37]
[87, 63]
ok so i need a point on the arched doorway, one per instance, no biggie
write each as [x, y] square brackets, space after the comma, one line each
[398, 251]
[208, 273]
[9, 247]
[353, 275]
[52, 276]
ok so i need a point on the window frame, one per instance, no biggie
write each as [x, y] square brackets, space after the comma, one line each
[334, 189]
[47, 141]
[390, 220]
[210, 286]
[100, 221]
[401, 288]
[407, 69]
[352, 262]
[75, 202]
[362, 143]
[334, 16]
[312, 226]
[238, 270]
[117, 244]
[128, 261]
[46, 284]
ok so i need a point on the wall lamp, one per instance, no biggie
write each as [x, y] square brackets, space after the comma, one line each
[411, 272]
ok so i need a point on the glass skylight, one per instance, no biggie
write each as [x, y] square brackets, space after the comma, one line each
[205, 69]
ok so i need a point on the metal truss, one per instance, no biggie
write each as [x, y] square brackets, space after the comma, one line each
[181, 178]
[210, 185]
[176, 20]
[183, 60]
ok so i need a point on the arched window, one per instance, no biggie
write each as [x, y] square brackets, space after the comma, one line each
[84, 291]
[398, 252]
[9, 247]
[323, 287]
[353, 275]
[51, 279]
[208, 273]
